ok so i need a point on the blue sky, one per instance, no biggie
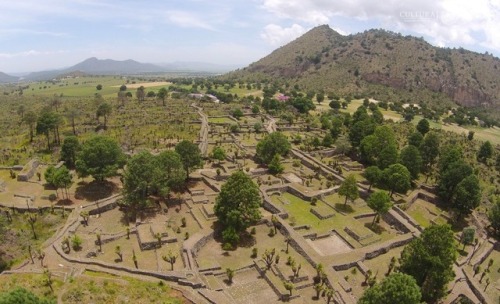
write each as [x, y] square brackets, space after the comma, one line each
[37, 35]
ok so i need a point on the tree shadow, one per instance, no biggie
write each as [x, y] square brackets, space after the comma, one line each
[247, 240]
[344, 208]
[378, 229]
[94, 190]
[64, 202]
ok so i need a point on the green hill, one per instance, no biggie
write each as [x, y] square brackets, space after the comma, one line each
[375, 60]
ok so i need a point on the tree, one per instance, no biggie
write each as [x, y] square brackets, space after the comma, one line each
[467, 196]
[104, 110]
[190, 155]
[138, 180]
[450, 176]
[99, 157]
[20, 295]
[258, 127]
[415, 139]
[272, 144]
[48, 122]
[411, 159]
[328, 140]
[63, 179]
[73, 114]
[423, 126]
[335, 104]
[237, 205]
[219, 153]
[380, 202]
[494, 217]
[169, 172]
[268, 257]
[32, 218]
[320, 97]
[373, 175]
[396, 288]
[69, 150]
[230, 275]
[289, 286]
[349, 189]
[98, 87]
[30, 119]
[275, 166]
[429, 150]
[485, 152]
[140, 93]
[162, 94]
[170, 258]
[380, 148]
[397, 178]
[237, 113]
[429, 260]
[468, 236]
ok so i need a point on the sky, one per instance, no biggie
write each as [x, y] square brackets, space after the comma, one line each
[39, 35]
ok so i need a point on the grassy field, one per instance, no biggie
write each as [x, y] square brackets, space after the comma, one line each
[94, 287]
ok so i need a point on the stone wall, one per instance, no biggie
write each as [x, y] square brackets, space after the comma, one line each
[28, 170]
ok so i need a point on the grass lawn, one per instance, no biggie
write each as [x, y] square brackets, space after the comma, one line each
[94, 287]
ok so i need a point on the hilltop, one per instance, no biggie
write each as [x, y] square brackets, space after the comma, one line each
[371, 61]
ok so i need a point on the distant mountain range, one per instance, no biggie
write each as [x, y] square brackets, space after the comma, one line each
[5, 78]
[94, 66]
[382, 64]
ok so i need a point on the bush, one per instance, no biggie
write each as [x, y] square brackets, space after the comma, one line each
[254, 253]
[227, 247]
[76, 242]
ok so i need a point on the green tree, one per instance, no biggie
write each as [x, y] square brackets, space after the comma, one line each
[396, 288]
[397, 178]
[415, 139]
[138, 181]
[380, 148]
[494, 217]
[272, 144]
[169, 172]
[104, 110]
[429, 260]
[275, 166]
[99, 157]
[359, 130]
[219, 153]
[190, 155]
[98, 87]
[162, 94]
[380, 202]
[63, 179]
[423, 126]
[452, 170]
[373, 175]
[429, 150]
[20, 295]
[73, 114]
[48, 122]
[468, 236]
[30, 119]
[237, 205]
[485, 152]
[320, 97]
[349, 189]
[328, 140]
[467, 196]
[69, 150]
[411, 159]
[140, 93]
[237, 113]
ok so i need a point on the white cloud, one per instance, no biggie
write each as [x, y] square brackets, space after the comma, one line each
[187, 19]
[445, 22]
[277, 35]
[30, 53]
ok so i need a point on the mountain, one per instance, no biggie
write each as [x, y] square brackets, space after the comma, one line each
[94, 66]
[197, 67]
[382, 64]
[5, 78]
